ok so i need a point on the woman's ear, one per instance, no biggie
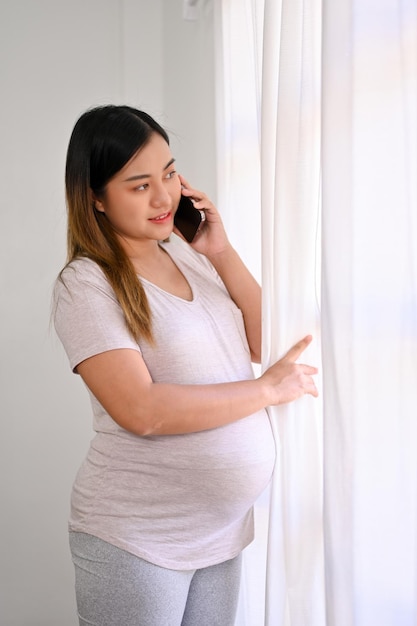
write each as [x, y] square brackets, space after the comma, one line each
[97, 204]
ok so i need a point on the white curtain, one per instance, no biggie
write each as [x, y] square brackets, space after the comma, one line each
[238, 44]
[369, 313]
[253, 108]
[290, 175]
[361, 114]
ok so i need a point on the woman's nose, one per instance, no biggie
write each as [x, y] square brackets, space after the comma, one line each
[160, 197]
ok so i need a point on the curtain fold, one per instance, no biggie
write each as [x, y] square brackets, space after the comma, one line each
[238, 46]
[337, 287]
[290, 183]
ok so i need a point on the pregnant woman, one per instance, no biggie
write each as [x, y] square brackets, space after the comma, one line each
[163, 333]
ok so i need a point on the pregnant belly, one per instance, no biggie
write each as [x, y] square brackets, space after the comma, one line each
[221, 496]
[218, 473]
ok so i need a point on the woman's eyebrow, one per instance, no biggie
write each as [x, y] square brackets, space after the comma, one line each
[141, 176]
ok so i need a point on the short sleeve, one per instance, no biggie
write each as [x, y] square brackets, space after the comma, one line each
[87, 316]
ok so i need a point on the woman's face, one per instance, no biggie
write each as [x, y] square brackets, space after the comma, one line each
[141, 199]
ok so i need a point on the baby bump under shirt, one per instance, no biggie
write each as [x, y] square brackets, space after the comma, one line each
[178, 501]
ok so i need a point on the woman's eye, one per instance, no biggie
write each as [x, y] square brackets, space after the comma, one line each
[171, 174]
[142, 187]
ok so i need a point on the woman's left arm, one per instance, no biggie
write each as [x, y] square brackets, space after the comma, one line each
[244, 290]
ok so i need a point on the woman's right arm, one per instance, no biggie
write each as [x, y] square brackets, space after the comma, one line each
[121, 382]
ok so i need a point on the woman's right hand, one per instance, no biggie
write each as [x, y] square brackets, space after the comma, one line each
[287, 380]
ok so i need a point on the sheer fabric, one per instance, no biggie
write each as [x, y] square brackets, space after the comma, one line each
[360, 112]
[238, 45]
[290, 180]
[369, 312]
[290, 171]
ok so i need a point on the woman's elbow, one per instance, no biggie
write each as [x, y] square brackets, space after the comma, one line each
[256, 357]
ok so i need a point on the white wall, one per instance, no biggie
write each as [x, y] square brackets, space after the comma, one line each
[57, 58]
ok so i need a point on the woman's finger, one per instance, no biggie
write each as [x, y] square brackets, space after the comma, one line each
[310, 370]
[295, 352]
[190, 191]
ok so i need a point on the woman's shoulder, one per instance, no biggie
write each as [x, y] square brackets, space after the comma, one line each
[81, 270]
[81, 274]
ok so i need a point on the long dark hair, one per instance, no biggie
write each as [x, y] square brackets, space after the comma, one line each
[104, 139]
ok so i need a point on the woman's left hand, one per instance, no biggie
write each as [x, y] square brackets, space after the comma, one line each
[212, 238]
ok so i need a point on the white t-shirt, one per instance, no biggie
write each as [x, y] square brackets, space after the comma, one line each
[179, 501]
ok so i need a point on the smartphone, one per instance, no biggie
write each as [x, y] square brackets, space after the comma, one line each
[188, 219]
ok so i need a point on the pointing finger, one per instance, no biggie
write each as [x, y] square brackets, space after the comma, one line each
[294, 353]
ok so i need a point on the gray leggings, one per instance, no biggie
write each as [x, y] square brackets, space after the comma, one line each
[116, 588]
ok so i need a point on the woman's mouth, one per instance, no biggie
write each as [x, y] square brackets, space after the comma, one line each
[161, 219]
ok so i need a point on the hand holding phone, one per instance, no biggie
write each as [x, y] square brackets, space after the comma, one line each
[188, 219]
